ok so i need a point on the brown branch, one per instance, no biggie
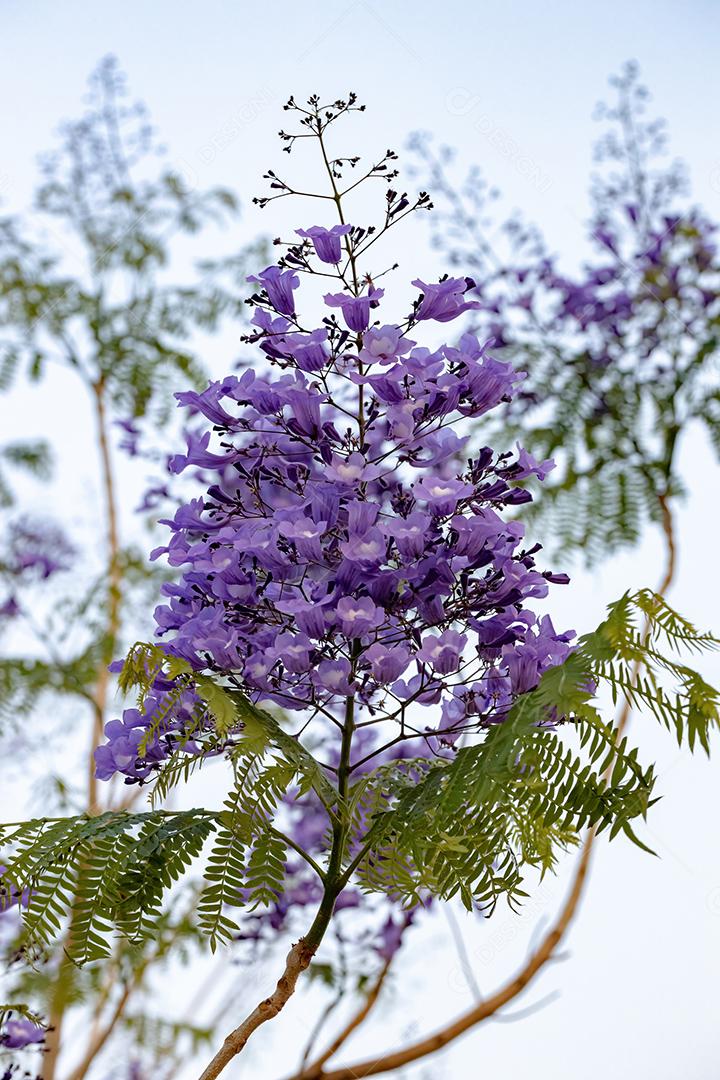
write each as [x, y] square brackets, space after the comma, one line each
[545, 951]
[315, 1069]
[99, 694]
[668, 528]
[101, 1037]
[462, 953]
[114, 572]
[298, 960]
[484, 1009]
[317, 1030]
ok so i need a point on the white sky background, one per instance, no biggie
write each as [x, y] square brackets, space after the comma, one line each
[512, 86]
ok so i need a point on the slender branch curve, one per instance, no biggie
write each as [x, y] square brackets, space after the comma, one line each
[298, 960]
[99, 705]
[485, 1009]
[314, 1070]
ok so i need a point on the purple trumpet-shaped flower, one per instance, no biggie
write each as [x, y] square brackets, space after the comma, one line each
[294, 650]
[409, 534]
[305, 534]
[10, 898]
[121, 750]
[335, 676]
[369, 548]
[355, 309]
[526, 466]
[20, 1032]
[381, 343]
[445, 300]
[387, 662]
[10, 608]
[390, 938]
[351, 470]
[442, 496]
[279, 286]
[442, 652]
[358, 617]
[327, 242]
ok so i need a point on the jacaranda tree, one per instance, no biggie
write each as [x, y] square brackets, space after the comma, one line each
[351, 641]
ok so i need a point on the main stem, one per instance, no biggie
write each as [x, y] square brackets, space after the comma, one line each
[99, 695]
[301, 954]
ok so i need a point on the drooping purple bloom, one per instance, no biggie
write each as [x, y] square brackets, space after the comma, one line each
[10, 898]
[327, 242]
[351, 470]
[20, 1032]
[358, 616]
[410, 533]
[445, 300]
[131, 437]
[368, 548]
[384, 343]
[293, 650]
[442, 651]
[390, 938]
[355, 309]
[10, 608]
[527, 466]
[37, 549]
[279, 286]
[442, 495]
[387, 662]
[335, 676]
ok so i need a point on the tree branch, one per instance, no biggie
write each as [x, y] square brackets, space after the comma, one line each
[101, 1037]
[301, 954]
[99, 695]
[484, 1009]
[298, 960]
[114, 582]
[315, 1070]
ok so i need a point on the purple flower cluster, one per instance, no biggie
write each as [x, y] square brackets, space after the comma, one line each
[138, 742]
[345, 548]
[37, 549]
[32, 551]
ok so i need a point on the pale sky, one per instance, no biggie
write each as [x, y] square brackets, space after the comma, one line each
[512, 86]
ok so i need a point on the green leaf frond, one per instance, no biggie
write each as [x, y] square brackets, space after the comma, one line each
[526, 790]
[468, 824]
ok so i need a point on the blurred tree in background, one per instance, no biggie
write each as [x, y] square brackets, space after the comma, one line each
[87, 281]
[621, 356]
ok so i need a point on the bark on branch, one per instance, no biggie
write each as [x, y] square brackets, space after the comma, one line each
[298, 960]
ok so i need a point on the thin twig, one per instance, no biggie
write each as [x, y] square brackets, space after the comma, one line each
[99, 696]
[314, 1070]
[459, 942]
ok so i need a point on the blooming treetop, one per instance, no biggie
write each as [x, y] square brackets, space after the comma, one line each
[349, 555]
